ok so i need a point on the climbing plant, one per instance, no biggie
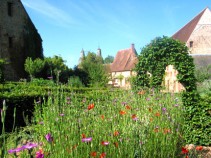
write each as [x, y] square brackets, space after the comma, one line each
[153, 59]
[161, 52]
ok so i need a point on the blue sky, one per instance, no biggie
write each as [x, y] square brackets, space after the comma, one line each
[67, 26]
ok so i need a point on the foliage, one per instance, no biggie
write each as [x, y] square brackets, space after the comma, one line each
[33, 67]
[204, 87]
[42, 82]
[115, 122]
[109, 59]
[56, 68]
[203, 73]
[82, 74]
[2, 63]
[95, 69]
[74, 81]
[160, 53]
[153, 59]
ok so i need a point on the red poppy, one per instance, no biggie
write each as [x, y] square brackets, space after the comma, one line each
[199, 148]
[184, 150]
[122, 112]
[91, 106]
[93, 154]
[127, 107]
[141, 92]
[116, 133]
[156, 130]
[134, 116]
[166, 130]
[116, 144]
[83, 135]
[102, 155]
[105, 143]
[157, 114]
[102, 117]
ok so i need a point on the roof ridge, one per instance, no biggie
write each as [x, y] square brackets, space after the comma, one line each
[193, 22]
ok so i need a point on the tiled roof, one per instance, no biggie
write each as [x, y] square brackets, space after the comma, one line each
[184, 33]
[125, 60]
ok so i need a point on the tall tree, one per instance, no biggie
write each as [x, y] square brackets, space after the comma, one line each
[95, 69]
[109, 59]
[33, 66]
[56, 67]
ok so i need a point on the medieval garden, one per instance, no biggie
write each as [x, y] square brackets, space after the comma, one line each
[150, 104]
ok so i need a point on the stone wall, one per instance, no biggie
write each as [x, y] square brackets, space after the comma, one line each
[19, 38]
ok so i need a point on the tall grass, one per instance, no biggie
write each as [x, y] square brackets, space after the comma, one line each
[120, 124]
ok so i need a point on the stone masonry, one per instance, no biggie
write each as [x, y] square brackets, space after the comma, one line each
[19, 38]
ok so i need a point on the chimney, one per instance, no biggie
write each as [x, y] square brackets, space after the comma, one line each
[133, 49]
[99, 53]
[132, 46]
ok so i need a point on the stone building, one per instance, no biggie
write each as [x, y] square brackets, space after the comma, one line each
[122, 67]
[196, 35]
[19, 38]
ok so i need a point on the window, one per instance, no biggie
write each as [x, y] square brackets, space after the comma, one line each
[9, 8]
[10, 40]
[191, 44]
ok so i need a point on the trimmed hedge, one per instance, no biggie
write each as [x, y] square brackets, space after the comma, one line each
[22, 97]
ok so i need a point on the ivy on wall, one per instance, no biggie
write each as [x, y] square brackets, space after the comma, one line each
[160, 53]
[153, 60]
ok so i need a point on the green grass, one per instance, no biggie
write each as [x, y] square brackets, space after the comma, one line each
[135, 126]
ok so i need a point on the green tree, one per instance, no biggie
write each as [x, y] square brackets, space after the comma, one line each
[33, 67]
[56, 67]
[95, 69]
[109, 59]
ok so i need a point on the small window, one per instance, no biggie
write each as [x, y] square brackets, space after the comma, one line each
[9, 8]
[10, 40]
[191, 44]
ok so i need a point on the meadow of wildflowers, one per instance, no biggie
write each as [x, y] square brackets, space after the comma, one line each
[115, 124]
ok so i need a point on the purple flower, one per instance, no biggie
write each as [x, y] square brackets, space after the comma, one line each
[68, 98]
[50, 77]
[164, 110]
[141, 143]
[176, 105]
[49, 138]
[38, 102]
[30, 145]
[27, 146]
[124, 103]
[39, 154]
[61, 114]
[15, 150]
[41, 122]
[135, 119]
[86, 139]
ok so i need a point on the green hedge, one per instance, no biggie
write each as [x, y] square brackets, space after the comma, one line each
[22, 97]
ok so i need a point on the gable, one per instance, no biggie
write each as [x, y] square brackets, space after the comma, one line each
[125, 60]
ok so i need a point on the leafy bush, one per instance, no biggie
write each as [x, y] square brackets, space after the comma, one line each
[75, 81]
[153, 59]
